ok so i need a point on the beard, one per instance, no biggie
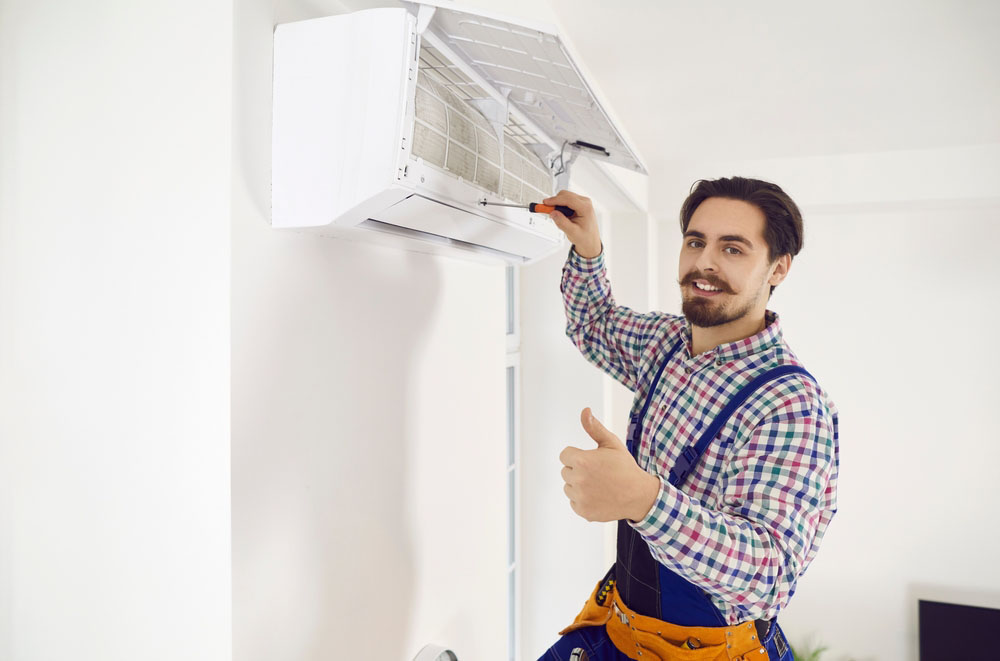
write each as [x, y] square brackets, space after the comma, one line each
[706, 312]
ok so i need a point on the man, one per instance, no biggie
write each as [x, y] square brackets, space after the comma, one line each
[728, 480]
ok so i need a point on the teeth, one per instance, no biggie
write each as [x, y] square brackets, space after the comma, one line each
[706, 287]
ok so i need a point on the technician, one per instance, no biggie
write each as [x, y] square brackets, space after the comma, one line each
[727, 481]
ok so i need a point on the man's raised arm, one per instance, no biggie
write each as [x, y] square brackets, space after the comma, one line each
[609, 336]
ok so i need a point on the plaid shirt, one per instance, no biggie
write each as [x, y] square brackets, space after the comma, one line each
[750, 516]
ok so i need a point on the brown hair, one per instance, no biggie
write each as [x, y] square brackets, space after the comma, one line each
[783, 220]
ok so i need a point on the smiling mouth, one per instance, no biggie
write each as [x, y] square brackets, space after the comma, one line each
[705, 292]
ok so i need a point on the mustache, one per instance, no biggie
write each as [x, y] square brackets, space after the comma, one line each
[715, 282]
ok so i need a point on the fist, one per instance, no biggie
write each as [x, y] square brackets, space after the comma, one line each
[605, 483]
[581, 229]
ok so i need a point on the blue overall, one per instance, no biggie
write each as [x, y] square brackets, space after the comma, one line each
[649, 587]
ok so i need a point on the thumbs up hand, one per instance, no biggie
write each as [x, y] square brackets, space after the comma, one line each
[606, 484]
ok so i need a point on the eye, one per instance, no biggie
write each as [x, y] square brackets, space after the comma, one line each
[692, 242]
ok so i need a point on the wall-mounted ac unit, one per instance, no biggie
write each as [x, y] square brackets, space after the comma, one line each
[393, 125]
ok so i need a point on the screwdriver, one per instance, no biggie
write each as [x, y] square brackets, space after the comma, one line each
[534, 207]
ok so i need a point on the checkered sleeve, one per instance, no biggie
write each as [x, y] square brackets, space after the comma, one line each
[778, 488]
[609, 336]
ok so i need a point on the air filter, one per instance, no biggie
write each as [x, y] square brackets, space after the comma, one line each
[451, 134]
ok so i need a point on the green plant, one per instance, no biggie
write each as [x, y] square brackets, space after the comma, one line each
[808, 653]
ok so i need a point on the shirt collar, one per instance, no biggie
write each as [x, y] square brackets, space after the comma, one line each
[762, 341]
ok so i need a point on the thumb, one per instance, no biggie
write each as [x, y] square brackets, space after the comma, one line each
[601, 434]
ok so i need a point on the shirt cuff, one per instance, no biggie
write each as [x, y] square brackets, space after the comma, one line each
[652, 525]
[584, 265]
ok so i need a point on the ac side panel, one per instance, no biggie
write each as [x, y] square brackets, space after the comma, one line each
[339, 101]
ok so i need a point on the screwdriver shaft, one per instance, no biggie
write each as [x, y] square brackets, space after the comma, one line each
[534, 207]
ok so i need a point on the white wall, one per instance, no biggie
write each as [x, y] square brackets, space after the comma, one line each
[114, 330]
[369, 450]
[369, 425]
[891, 305]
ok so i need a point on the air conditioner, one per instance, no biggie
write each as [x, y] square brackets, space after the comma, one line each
[394, 125]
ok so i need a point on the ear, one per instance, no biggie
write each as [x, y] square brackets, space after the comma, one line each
[780, 269]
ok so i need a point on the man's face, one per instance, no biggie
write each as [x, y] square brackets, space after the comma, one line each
[724, 247]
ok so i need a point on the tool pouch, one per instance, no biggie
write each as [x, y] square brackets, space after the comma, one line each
[597, 610]
[640, 637]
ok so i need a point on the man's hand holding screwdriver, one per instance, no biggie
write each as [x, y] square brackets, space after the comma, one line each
[581, 229]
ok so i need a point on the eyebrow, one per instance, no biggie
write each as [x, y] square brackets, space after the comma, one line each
[728, 237]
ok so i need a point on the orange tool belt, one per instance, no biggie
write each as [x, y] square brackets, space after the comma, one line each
[649, 639]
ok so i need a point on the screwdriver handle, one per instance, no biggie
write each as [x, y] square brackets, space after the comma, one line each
[545, 208]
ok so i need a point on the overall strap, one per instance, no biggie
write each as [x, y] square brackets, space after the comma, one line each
[632, 439]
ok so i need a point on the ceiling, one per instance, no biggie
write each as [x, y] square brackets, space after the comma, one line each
[739, 80]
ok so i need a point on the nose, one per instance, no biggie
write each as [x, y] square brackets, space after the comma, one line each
[706, 262]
